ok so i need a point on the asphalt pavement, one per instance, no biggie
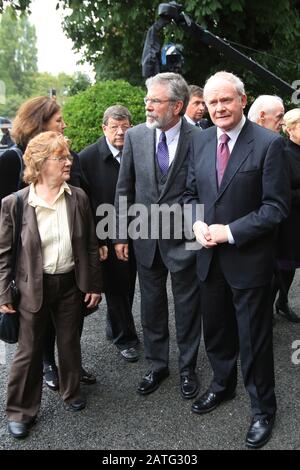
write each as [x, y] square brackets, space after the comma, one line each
[117, 418]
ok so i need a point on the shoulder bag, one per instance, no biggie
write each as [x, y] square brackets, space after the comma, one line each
[9, 322]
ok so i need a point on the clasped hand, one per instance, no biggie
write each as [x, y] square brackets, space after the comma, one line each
[209, 236]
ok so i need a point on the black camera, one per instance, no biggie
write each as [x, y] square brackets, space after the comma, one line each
[170, 11]
[172, 59]
[169, 58]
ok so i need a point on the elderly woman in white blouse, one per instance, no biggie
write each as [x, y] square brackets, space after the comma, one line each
[57, 265]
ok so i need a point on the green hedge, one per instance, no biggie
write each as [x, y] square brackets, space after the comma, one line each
[83, 112]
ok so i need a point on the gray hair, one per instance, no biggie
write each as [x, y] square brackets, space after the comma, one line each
[117, 112]
[228, 77]
[176, 84]
[263, 103]
[291, 118]
[195, 90]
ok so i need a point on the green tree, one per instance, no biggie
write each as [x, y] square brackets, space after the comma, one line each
[64, 85]
[79, 82]
[112, 33]
[18, 59]
[46, 82]
[18, 53]
[83, 112]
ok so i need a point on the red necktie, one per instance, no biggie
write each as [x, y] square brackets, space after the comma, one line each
[223, 155]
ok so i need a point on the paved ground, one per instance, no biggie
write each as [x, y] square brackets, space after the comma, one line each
[118, 418]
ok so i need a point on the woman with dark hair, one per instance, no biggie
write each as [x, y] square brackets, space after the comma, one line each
[34, 116]
[58, 265]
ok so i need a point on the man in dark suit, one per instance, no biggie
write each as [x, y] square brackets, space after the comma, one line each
[196, 109]
[237, 170]
[153, 175]
[100, 163]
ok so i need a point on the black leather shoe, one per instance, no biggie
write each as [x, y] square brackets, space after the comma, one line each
[86, 377]
[19, 430]
[130, 354]
[51, 377]
[285, 310]
[76, 405]
[152, 380]
[209, 401]
[189, 386]
[259, 432]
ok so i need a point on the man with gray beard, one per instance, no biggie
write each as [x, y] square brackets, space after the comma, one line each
[153, 172]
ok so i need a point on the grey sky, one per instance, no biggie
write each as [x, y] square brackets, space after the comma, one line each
[54, 49]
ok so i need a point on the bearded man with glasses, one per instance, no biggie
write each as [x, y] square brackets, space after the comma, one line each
[153, 173]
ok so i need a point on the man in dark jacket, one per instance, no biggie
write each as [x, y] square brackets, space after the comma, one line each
[100, 164]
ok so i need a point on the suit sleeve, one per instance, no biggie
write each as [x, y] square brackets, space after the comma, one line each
[190, 197]
[96, 278]
[6, 242]
[125, 191]
[275, 198]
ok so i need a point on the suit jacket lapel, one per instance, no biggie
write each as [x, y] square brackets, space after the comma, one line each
[239, 154]
[71, 205]
[150, 156]
[209, 161]
[29, 218]
[105, 153]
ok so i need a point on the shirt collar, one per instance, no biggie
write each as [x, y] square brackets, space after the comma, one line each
[171, 134]
[233, 133]
[189, 120]
[34, 200]
[115, 152]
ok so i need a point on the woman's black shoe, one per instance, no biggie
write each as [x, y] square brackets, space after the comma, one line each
[285, 310]
[51, 377]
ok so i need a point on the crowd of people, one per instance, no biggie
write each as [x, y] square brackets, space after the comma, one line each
[244, 173]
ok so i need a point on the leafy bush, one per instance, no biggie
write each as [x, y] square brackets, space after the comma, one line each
[83, 113]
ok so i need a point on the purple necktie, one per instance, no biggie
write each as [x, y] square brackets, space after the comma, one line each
[163, 154]
[223, 155]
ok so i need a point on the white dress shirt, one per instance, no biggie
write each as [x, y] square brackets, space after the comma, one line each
[115, 152]
[172, 137]
[53, 226]
[233, 134]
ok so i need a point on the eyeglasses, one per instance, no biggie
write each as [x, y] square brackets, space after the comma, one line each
[68, 158]
[155, 101]
[115, 128]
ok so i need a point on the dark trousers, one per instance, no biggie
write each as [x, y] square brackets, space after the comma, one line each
[119, 287]
[282, 281]
[239, 320]
[49, 340]
[120, 319]
[119, 280]
[61, 300]
[155, 314]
